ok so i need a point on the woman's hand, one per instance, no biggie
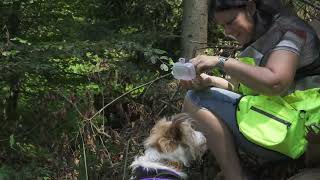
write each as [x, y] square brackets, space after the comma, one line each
[203, 63]
[201, 81]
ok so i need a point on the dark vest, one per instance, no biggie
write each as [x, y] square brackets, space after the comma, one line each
[263, 46]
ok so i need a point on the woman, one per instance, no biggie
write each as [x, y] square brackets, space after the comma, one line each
[281, 45]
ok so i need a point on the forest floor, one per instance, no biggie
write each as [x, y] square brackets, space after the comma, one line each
[131, 137]
[55, 148]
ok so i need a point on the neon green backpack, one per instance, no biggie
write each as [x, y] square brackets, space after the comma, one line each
[278, 123]
[307, 101]
[272, 123]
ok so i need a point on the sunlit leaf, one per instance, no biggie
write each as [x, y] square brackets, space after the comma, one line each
[153, 59]
[164, 67]
[11, 140]
[164, 58]
[159, 51]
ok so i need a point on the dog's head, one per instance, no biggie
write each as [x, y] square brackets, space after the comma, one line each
[175, 137]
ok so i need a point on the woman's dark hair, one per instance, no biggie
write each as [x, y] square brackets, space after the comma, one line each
[220, 5]
[264, 16]
[267, 7]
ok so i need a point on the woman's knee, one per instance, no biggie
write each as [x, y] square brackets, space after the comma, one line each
[197, 106]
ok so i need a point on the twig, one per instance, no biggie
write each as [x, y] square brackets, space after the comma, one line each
[107, 152]
[214, 45]
[145, 92]
[170, 36]
[98, 130]
[171, 98]
[92, 125]
[125, 161]
[103, 117]
[127, 94]
[7, 35]
[73, 104]
[221, 47]
[84, 157]
[168, 103]
[311, 3]
[24, 134]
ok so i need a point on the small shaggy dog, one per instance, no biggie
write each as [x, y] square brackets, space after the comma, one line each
[172, 145]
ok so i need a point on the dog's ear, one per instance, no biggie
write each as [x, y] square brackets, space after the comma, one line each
[175, 131]
[178, 123]
[174, 134]
[168, 133]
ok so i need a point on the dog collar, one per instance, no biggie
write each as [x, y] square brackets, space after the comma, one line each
[142, 173]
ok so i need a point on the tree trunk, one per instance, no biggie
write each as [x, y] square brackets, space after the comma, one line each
[194, 27]
[12, 101]
[14, 83]
[194, 42]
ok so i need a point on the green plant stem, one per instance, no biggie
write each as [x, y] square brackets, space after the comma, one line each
[127, 94]
[125, 161]
[84, 157]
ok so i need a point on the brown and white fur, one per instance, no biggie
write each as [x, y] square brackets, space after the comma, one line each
[172, 140]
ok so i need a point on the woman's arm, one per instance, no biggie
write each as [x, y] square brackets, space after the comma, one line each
[204, 80]
[273, 79]
[226, 83]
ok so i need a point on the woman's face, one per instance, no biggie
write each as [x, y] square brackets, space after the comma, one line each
[237, 22]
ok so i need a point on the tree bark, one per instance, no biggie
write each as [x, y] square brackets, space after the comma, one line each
[14, 83]
[194, 27]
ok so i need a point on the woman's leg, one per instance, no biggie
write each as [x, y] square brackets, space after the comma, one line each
[219, 140]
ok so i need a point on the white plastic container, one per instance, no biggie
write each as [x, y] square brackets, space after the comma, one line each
[183, 71]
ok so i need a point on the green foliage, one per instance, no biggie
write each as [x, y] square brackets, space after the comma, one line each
[60, 62]
[6, 173]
